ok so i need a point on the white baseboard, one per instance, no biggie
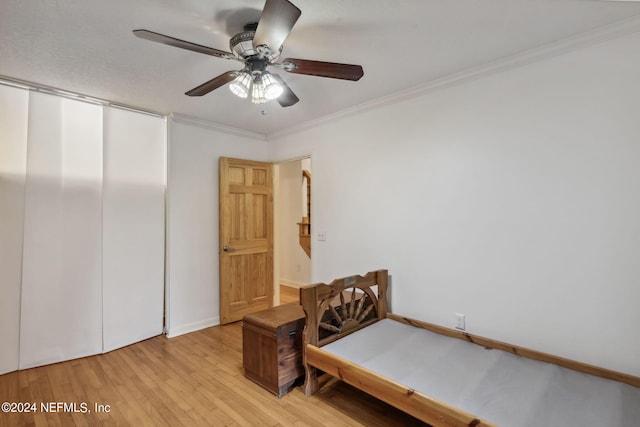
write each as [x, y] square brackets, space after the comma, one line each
[192, 327]
[291, 283]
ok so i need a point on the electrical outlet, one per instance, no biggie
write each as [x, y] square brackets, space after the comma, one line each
[460, 321]
[322, 236]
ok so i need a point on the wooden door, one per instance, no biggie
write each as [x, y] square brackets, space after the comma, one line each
[246, 238]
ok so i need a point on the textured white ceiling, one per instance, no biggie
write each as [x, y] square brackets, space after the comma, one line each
[87, 46]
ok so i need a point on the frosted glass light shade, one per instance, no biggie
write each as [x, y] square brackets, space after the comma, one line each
[241, 84]
[272, 89]
[257, 92]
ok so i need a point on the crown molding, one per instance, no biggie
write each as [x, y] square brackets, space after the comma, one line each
[180, 118]
[590, 38]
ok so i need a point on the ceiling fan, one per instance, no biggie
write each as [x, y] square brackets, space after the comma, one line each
[258, 47]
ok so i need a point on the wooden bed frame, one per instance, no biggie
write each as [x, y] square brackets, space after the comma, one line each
[348, 304]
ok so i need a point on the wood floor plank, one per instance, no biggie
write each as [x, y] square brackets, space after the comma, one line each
[194, 379]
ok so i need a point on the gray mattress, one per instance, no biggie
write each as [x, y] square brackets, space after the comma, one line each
[497, 386]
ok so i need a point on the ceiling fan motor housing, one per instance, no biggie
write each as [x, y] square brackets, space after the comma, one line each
[242, 45]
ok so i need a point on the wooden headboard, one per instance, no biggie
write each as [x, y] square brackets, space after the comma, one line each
[340, 308]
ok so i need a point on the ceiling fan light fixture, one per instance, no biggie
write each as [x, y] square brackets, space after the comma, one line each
[272, 89]
[257, 91]
[241, 84]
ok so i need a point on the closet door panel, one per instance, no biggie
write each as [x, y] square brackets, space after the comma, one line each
[13, 163]
[61, 314]
[133, 226]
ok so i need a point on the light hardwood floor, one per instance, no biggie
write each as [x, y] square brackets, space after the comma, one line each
[193, 379]
[289, 294]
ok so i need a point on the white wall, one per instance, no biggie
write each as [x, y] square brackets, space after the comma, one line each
[512, 198]
[294, 264]
[192, 220]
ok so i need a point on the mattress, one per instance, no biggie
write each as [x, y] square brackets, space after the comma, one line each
[497, 386]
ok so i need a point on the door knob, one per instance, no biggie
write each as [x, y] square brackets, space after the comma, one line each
[227, 248]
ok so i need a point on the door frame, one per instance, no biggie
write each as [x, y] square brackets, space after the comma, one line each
[276, 230]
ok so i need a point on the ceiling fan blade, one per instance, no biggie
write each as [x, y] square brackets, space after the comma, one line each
[287, 98]
[277, 19]
[213, 84]
[161, 38]
[323, 69]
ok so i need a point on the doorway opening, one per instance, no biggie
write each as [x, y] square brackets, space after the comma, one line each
[292, 228]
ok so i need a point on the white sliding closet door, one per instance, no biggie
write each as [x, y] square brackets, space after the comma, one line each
[13, 163]
[61, 315]
[133, 226]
